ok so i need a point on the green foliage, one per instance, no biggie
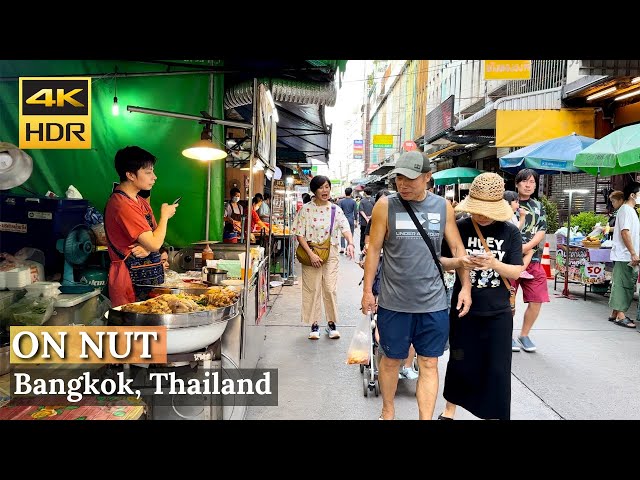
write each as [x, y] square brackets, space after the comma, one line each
[585, 221]
[551, 209]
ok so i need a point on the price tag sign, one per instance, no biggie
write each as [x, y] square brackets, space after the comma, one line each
[594, 270]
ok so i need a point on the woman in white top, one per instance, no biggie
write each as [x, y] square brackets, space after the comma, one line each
[314, 222]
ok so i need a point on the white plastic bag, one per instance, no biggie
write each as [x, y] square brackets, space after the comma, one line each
[360, 346]
[73, 192]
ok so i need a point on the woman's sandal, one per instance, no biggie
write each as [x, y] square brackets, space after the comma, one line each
[625, 322]
[442, 417]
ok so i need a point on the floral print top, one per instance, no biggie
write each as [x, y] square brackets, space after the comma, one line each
[312, 222]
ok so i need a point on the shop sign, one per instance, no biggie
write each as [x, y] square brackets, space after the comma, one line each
[409, 145]
[55, 112]
[439, 120]
[358, 149]
[13, 227]
[40, 215]
[382, 141]
[507, 69]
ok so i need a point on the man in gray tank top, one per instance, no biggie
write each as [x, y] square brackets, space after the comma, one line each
[412, 302]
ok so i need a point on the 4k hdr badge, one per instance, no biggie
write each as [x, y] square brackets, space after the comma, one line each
[55, 112]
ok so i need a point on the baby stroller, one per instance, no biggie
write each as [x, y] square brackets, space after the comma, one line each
[370, 370]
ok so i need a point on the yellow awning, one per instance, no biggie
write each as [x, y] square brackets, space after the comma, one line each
[524, 127]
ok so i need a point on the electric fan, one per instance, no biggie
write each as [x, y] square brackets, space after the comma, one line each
[76, 248]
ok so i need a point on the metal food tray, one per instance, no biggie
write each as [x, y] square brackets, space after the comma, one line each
[172, 320]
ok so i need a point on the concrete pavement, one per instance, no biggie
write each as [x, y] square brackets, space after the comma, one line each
[585, 367]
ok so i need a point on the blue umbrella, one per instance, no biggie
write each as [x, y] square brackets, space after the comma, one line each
[551, 156]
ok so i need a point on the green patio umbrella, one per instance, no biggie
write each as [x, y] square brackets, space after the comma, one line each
[616, 153]
[456, 175]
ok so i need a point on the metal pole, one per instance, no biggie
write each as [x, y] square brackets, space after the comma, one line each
[186, 116]
[565, 291]
[247, 257]
[209, 164]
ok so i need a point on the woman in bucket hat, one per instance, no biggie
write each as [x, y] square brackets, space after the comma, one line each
[478, 374]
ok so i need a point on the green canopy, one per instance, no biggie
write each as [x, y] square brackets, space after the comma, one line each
[617, 153]
[451, 176]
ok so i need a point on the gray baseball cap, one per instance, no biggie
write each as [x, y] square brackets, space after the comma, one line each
[411, 164]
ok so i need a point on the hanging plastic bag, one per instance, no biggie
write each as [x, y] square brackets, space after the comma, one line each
[360, 346]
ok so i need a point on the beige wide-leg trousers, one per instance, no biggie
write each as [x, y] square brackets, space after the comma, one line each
[320, 284]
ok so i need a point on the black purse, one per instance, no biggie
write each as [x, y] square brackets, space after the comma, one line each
[425, 237]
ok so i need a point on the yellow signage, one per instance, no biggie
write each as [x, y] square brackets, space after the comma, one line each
[382, 141]
[55, 112]
[517, 128]
[507, 69]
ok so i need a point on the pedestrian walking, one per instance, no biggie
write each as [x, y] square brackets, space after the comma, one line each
[624, 254]
[412, 300]
[478, 374]
[318, 225]
[535, 291]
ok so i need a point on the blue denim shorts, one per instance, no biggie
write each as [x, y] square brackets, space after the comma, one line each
[428, 332]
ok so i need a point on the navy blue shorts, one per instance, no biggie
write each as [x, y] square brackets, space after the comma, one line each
[428, 332]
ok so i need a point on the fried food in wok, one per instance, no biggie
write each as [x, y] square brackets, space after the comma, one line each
[183, 303]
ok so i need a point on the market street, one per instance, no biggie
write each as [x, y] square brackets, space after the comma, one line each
[585, 367]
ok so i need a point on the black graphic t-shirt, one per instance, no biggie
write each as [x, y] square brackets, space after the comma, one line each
[488, 292]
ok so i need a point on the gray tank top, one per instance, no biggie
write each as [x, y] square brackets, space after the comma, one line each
[410, 279]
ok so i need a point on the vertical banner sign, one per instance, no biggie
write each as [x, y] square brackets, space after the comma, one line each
[55, 112]
[358, 149]
[507, 69]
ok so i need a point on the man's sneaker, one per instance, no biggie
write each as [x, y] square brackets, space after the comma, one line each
[408, 373]
[314, 334]
[514, 346]
[527, 344]
[332, 331]
[526, 275]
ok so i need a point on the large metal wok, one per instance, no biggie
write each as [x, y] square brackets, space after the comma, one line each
[186, 332]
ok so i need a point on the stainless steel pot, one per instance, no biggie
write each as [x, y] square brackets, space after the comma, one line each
[215, 276]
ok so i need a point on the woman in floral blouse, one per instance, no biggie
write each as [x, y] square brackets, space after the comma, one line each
[319, 281]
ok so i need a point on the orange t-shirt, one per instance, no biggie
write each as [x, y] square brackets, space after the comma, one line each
[125, 219]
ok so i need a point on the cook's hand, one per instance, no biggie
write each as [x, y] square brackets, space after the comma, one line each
[350, 251]
[368, 303]
[167, 210]
[138, 251]
[316, 261]
[464, 301]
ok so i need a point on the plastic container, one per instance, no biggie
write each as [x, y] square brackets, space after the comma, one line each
[76, 308]
[43, 289]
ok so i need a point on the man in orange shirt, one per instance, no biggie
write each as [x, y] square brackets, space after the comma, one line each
[134, 237]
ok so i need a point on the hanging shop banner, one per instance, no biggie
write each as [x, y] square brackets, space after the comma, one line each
[515, 128]
[266, 127]
[439, 120]
[358, 149]
[383, 141]
[507, 69]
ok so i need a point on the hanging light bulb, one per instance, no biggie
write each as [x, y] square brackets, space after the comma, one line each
[115, 110]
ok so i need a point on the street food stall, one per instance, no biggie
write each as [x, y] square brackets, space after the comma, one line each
[589, 265]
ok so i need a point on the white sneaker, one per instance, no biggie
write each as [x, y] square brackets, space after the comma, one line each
[332, 330]
[314, 334]
[408, 373]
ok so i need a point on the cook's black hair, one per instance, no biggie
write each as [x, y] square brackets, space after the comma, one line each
[234, 190]
[131, 159]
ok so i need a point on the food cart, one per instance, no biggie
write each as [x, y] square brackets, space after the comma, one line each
[589, 267]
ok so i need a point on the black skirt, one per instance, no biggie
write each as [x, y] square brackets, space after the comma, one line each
[478, 374]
